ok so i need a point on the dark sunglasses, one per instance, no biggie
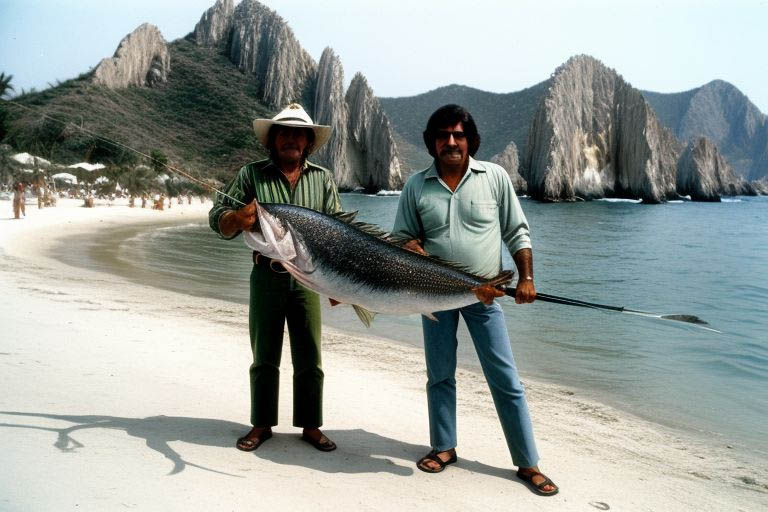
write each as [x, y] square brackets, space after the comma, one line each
[446, 134]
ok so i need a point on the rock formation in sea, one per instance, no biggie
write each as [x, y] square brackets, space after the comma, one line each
[371, 148]
[703, 173]
[331, 109]
[141, 59]
[510, 161]
[362, 151]
[761, 186]
[722, 113]
[593, 136]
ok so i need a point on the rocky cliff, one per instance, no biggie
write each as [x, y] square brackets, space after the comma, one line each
[260, 43]
[510, 161]
[593, 135]
[214, 27]
[141, 59]
[723, 114]
[331, 109]
[371, 148]
[703, 173]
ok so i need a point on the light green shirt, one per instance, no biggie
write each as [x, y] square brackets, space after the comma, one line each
[467, 225]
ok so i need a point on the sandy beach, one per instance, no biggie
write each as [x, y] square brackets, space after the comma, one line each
[122, 396]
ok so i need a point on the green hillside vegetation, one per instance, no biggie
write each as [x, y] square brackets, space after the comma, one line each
[501, 118]
[200, 120]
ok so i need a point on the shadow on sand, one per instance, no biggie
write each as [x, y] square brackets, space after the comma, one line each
[359, 451]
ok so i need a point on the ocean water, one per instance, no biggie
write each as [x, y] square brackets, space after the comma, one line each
[707, 259]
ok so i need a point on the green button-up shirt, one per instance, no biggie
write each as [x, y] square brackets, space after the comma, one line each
[466, 225]
[265, 182]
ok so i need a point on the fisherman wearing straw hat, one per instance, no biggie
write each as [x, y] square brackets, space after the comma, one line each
[285, 177]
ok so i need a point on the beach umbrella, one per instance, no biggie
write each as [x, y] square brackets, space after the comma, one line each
[65, 176]
[27, 159]
[86, 166]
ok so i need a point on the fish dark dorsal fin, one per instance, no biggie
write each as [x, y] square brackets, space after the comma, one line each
[399, 241]
[365, 227]
[505, 277]
[347, 217]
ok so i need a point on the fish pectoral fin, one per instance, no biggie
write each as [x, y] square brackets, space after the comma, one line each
[431, 317]
[364, 315]
[505, 277]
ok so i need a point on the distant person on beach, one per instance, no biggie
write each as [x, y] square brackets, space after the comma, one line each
[18, 201]
[285, 177]
[461, 210]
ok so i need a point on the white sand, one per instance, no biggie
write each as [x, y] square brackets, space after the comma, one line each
[120, 396]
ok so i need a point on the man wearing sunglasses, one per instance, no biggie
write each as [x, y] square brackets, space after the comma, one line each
[461, 210]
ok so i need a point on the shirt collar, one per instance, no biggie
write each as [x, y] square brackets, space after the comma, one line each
[473, 165]
[274, 167]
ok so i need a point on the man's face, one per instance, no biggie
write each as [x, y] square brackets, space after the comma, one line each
[290, 143]
[451, 146]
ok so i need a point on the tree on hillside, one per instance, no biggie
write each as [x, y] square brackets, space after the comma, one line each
[159, 161]
[8, 166]
[101, 150]
[5, 88]
[139, 182]
[5, 85]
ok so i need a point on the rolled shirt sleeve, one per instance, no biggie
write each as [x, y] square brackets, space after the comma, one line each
[407, 223]
[331, 199]
[515, 232]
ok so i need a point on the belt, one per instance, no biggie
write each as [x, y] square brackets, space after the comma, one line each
[274, 265]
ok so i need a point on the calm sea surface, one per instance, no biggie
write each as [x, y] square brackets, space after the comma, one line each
[707, 259]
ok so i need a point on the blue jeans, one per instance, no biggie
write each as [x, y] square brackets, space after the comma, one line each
[489, 333]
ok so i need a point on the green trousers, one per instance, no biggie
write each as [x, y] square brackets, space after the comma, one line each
[275, 299]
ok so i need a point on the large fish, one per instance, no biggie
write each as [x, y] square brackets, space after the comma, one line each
[354, 263]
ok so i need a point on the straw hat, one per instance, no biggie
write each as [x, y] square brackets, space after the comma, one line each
[292, 115]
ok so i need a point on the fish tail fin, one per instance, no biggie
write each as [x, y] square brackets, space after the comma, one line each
[504, 278]
[364, 315]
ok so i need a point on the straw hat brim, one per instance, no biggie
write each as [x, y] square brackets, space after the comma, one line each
[261, 129]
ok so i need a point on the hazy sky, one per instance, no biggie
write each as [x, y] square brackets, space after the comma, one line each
[409, 47]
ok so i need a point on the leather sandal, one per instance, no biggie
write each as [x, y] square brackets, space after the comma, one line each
[538, 488]
[432, 456]
[323, 444]
[248, 444]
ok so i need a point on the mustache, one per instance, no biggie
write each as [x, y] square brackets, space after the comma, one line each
[448, 151]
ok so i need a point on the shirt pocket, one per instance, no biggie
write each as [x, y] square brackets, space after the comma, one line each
[484, 211]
